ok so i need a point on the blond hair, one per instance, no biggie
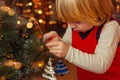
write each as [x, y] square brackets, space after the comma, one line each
[95, 12]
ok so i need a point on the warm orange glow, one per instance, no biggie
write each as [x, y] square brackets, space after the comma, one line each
[35, 0]
[40, 64]
[28, 10]
[35, 6]
[117, 0]
[52, 22]
[64, 26]
[17, 65]
[9, 62]
[19, 4]
[117, 8]
[36, 27]
[40, 36]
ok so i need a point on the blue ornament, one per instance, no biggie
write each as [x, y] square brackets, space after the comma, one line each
[61, 68]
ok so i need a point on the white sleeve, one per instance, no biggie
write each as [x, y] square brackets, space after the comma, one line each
[68, 35]
[100, 61]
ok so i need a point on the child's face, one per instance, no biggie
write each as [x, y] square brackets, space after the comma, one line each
[80, 26]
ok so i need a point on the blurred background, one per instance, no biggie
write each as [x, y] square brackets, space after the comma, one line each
[44, 12]
[22, 50]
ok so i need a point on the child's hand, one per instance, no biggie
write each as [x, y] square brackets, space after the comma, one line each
[55, 44]
[51, 36]
[58, 48]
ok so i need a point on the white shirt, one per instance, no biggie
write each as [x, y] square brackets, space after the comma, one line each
[100, 61]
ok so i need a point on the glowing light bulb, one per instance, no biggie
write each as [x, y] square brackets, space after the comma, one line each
[30, 4]
[40, 21]
[29, 25]
[50, 6]
[40, 11]
[41, 64]
[18, 22]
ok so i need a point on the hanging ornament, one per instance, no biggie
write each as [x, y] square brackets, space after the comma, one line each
[9, 55]
[61, 68]
[25, 35]
[49, 71]
[25, 26]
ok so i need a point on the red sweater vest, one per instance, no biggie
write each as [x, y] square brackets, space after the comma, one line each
[88, 45]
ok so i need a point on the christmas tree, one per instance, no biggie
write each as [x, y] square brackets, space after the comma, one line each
[22, 50]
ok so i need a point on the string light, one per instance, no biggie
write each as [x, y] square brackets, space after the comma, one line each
[40, 64]
[50, 6]
[29, 25]
[40, 21]
[19, 4]
[117, 6]
[18, 22]
[30, 4]
[40, 11]
[52, 22]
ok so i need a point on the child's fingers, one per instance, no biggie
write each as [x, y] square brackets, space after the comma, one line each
[50, 36]
[53, 43]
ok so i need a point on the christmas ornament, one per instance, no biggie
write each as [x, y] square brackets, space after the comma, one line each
[26, 26]
[49, 71]
[9, 55]
[61, 68]
[25, 35]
